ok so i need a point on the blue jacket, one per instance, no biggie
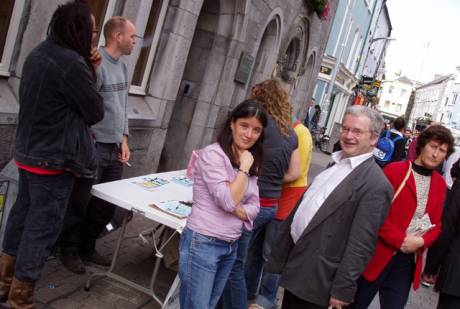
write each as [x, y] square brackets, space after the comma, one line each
[58, 103]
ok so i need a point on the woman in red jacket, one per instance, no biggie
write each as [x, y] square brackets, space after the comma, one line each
[413, 224]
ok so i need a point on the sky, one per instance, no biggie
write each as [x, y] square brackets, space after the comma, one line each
[427, 34]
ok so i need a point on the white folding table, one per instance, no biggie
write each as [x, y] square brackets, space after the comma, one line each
[128, 195]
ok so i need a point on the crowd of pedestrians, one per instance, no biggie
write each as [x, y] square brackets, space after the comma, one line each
[361, 228]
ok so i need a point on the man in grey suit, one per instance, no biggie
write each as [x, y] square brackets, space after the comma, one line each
[326, 242]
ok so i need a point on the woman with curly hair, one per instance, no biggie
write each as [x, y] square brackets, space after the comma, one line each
[281, 158]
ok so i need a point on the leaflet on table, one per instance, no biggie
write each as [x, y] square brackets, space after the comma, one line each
[179, 209]
[152, 183]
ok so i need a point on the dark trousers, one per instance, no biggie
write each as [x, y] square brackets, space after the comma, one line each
[35, 221]
[87, 216]
[290, 301]
[448, 301]
[393, 284]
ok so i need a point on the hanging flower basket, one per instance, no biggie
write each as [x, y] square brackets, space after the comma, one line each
[321, 7]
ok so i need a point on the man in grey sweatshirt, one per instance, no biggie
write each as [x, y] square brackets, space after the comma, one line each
[87, 216]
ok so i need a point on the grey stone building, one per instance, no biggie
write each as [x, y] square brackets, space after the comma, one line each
[194, 61]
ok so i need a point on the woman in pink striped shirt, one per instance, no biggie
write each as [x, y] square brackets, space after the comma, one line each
[225, 197]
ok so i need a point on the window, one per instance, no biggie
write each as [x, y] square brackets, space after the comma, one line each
[403, 93]
[102, 11]
[150, 42]
[390, 90]
[10, 16]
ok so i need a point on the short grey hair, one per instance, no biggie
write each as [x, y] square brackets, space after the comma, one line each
[373, 115]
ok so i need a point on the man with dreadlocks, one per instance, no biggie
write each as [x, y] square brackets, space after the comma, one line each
[84, 222]
[58, 104]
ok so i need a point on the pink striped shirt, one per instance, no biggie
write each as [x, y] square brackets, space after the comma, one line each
[213, 206]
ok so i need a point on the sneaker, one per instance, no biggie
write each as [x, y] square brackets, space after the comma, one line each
[96, 258]
[73, 263]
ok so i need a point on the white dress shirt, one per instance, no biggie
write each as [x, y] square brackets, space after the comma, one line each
[320, 189]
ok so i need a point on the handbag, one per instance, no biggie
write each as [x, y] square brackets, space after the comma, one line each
[403, 183]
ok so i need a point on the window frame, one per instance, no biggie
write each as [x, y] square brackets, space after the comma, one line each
[142, 89]
[11, 37]
[108, 14]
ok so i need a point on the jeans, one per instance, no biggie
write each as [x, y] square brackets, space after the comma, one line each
[393, 284]
[87, 216]
[35, 221]
[204, 266]
[245, 275]
[269, 282]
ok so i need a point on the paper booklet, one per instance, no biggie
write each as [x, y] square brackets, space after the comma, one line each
[178, 209]
[421, 226]
[151, 183]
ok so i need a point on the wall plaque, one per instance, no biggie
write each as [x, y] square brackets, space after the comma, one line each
[244, 68]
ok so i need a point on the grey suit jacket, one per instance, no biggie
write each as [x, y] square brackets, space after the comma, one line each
[339, 241]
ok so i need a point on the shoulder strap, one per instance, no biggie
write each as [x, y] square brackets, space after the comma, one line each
[387, 134]
[403, 183]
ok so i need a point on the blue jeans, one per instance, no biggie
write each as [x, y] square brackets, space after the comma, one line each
[241, 281]
[270, 282]
[35, 221]
[204, 266]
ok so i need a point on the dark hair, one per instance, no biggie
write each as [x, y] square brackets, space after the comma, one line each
[436, 133]
[245, 109]
[399, 123]
[71, 27]
[317, 107]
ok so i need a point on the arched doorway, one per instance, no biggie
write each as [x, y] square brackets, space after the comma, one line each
[174, 156]
[266, 54]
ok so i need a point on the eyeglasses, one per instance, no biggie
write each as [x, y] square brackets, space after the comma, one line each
[355, 131]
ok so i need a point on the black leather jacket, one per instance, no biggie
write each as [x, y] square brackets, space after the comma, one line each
[58, 103]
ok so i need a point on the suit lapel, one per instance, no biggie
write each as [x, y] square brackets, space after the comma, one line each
[338, 196]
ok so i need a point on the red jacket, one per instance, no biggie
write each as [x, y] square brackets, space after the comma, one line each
[393, 230]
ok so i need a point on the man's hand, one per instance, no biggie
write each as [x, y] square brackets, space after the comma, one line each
[95, 58]
[335, 303]
[412, 243]
[124, 154]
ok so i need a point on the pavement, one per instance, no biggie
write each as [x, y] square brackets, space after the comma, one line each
[60, 289]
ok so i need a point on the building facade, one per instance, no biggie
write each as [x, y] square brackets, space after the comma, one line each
[359, 26]
[431, 101]
[394, 97]
[196, 60]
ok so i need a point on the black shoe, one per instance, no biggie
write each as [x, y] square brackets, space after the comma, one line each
[73, 263]
[96, 258]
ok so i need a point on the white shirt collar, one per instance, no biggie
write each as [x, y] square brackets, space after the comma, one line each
[353, 161]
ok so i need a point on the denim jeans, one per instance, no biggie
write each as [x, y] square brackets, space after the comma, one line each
[35, 221]
[87, 216]
[204, 266]
[245, 275]
[269, 282]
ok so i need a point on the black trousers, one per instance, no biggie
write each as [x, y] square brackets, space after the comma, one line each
[393, 284]
[448, 301]
[87, 216]
[290, 301]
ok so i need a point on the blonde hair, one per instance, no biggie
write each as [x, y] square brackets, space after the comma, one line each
[275, 100]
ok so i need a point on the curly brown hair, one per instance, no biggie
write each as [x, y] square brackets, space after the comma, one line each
[275, 100]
